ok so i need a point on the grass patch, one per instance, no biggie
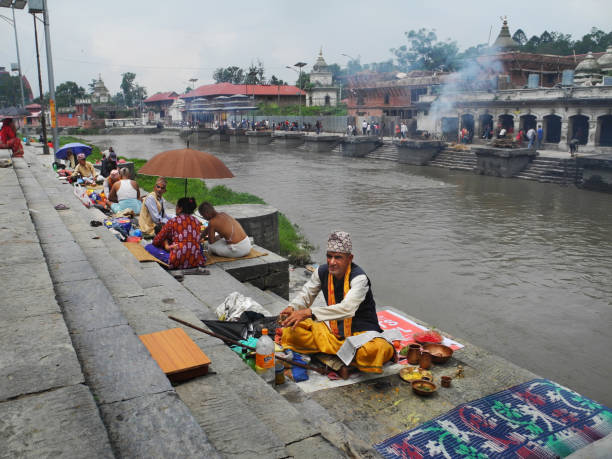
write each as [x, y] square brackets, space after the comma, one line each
[293, 244]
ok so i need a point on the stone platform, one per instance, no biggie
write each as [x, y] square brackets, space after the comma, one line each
[502, 162]
[259, 137]
[321, 143]
[288, 139]
[359, 146]
[417, 152]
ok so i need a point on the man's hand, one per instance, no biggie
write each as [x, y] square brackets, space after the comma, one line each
[286, 312]
[295, 317]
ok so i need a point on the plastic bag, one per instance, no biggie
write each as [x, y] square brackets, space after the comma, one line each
[81, 193]
[235, 304]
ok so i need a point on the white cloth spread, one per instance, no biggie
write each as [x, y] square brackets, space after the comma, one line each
[351, 344]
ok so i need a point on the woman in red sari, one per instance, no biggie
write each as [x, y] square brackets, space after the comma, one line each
[8, 137]
[180, 238]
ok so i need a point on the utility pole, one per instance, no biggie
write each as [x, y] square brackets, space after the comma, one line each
[18, 60]
[42, 95]
[50, 75]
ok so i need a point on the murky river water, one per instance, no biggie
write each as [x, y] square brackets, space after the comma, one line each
[522, 269]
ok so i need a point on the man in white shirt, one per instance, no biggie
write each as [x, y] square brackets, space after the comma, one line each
[531, 135]
[350, 310]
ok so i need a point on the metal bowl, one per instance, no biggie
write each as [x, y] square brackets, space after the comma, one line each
[410, 374]
[439, 352]
[423, 387]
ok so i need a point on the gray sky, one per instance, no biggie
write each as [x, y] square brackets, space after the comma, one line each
[173, 41]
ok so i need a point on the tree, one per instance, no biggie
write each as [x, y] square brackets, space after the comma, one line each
[10, 91]
[520, 37]
[127, 86]
[67, 92]
[303, 82]
[425, 52]
[276, 81]
[118, 99]
[92, 85]
[232, 74]
[596, 41]
[255, 74]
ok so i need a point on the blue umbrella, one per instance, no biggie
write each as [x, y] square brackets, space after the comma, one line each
[76, 149]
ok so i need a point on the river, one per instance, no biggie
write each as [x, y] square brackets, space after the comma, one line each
[520, 268]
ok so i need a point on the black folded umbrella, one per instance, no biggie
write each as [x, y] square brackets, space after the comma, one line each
[250, 324]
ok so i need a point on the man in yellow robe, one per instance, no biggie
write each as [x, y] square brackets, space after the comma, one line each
[350, 311]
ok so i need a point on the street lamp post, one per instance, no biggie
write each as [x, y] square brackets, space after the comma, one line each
[19, 5]
[299, 65]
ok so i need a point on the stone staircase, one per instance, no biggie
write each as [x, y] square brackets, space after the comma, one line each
[552, 170]
[454, 159]
[387, 151]
[231, 412]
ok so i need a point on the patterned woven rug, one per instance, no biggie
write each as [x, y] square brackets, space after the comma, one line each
[536, 419]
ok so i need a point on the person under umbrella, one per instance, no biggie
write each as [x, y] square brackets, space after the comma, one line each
[8, 136]
[85, 169]
[178, 242]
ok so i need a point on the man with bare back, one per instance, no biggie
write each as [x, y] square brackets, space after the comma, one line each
[232, 241]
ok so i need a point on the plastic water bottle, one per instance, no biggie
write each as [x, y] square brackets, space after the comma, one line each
[264, 357]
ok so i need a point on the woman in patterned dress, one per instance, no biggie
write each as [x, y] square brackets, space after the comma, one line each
[179, 239]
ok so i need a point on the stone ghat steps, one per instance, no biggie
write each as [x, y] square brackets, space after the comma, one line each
[102, 303]
[238, 413]
[387, 152]
[458, 160]
[45, 404]
[552, 170]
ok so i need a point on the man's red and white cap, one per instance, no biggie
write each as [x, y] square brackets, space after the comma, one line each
[340, 242]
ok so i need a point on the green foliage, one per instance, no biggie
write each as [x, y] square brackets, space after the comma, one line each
[425, 52]
[303, 82]
[10, 92]
[67, 92]
[293, 245]
[230, 74]
[561, 44]
[133, 93]
[294, 110]
[277, 81]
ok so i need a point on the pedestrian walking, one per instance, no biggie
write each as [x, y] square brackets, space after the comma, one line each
[531, 136]
[364, 127]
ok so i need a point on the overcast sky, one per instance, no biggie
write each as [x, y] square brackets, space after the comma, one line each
[167, 43]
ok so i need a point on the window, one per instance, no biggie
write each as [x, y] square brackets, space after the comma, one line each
[415, 93]
[327, 100]
[360, 100]
[386, 99]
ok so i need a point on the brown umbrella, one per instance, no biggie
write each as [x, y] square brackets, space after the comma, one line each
[186, 163]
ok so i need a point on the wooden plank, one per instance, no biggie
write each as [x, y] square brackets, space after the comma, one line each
[174, 351]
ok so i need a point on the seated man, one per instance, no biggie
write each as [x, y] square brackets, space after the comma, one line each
[109, 163]
[350, 310]
[153, 213]
[233, 241]
[85, 169]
